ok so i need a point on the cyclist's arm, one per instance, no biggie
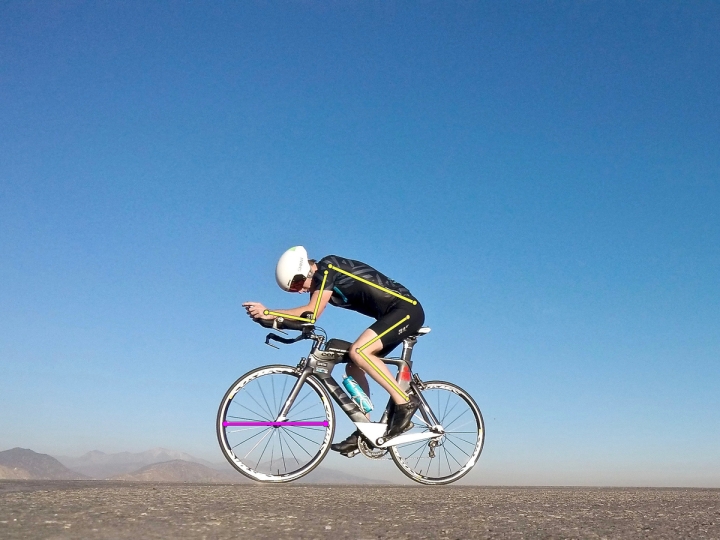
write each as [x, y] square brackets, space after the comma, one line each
[298, 311]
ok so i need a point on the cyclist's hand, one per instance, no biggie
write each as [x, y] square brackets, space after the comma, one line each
[256, 310]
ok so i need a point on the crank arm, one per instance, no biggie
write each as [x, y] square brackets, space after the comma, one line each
[410, 437]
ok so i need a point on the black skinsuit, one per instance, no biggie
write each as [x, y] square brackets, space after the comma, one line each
[353, 294]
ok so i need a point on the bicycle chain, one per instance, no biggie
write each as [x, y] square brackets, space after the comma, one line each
[371, 453]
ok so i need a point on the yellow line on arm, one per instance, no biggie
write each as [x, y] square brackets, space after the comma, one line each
[317, 302]
[286, 316]
[397, 295]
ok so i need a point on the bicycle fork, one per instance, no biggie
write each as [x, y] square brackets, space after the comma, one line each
[283, 414]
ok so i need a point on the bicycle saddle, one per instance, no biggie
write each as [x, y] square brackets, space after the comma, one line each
[424, 330]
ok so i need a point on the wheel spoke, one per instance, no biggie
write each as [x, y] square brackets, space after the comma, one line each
[445, 414]
[309, 418]
[297, 403]
[419, 448]
[282, 451]
[262, 417]
[456, 419]
[296, 442]
[251, 437]
[247, 419]
[456, 446]
[452, 456]
[290, 449]
[256, 444]
[268, 417]
[244, 429]
[274, 398]
[266, 401]
[447, 402]
[446, 459]
[302, 411]
[263, 452]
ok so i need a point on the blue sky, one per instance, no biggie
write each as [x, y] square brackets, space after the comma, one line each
[545, 177]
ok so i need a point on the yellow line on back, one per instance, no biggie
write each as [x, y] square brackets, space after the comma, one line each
[397, 295]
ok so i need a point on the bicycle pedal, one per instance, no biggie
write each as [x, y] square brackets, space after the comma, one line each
[351, 454]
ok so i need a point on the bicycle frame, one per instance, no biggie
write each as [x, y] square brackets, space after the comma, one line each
[320, 364]
[269, 403]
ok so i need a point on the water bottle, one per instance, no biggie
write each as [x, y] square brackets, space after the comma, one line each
[357, 394]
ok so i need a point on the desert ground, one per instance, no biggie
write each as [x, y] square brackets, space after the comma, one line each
[119, 510]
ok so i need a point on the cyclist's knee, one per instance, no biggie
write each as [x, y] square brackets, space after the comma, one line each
[355, 356]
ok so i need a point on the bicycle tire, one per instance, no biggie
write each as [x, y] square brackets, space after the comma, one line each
[263, 409]
[466, 449]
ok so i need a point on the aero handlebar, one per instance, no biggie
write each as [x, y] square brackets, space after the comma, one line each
[280, 323]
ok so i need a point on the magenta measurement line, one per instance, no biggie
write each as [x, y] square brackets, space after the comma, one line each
[324, 423]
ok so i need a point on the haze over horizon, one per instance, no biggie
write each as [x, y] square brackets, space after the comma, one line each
[545, 178]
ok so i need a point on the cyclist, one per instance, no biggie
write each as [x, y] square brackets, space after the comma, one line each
[296, 273]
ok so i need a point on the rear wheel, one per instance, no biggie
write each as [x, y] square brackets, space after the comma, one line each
[259, 446]
[450, 456]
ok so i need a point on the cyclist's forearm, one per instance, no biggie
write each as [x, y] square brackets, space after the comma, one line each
[297, 312]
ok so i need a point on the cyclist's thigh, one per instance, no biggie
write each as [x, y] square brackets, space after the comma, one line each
[393, 333]
[362, 342]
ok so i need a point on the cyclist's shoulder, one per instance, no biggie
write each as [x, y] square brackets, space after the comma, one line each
[339, 262]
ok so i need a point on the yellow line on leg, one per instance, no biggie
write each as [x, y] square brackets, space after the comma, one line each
[392, 383]
[366, 282]
[393, 327]
[385, 377]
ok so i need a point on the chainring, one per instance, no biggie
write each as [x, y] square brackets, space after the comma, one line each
[371, 453]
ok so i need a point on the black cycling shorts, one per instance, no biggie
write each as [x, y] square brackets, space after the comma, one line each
[396, 336]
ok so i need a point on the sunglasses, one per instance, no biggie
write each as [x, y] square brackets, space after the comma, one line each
[297, 283]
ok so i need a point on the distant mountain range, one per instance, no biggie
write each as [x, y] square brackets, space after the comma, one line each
[100, 465]
[181, 471]
[156, 465]
[24, 464]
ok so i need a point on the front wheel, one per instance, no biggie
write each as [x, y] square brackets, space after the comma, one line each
[260, 447]
[450, 456]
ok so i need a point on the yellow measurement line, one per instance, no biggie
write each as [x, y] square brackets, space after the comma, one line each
[317, 302]
[387, 379]
[286, 316]
[397, 295]
[393, 327]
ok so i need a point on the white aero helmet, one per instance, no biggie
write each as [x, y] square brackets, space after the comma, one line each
[292, 269]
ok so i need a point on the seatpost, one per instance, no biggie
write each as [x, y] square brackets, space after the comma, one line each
[407, 349]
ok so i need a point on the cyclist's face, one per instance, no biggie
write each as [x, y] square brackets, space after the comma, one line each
[306, 286]
[308, 281]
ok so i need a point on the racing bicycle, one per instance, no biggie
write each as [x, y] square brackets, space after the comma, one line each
[276, 422]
